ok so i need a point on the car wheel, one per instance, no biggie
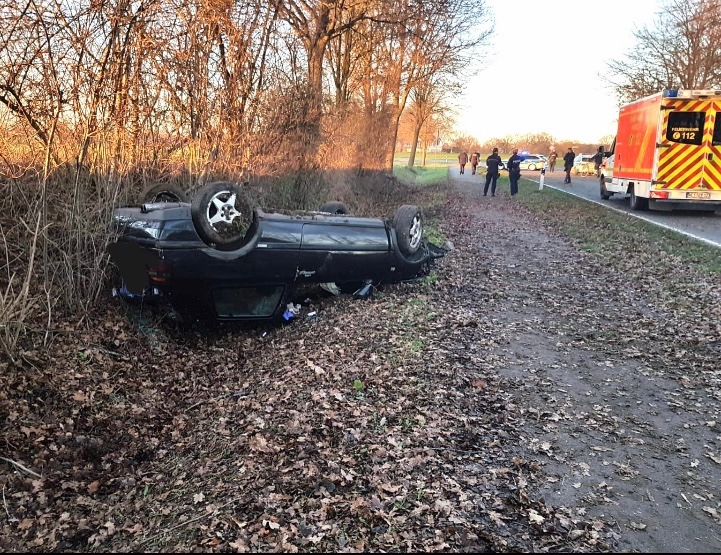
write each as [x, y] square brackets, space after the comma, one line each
[604, 192]
[532, 167]
[222, 215]
[334, 207]
[165, 193]
[637, 203]
[408, 223]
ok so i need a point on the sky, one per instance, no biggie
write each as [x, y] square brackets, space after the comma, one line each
[543, 72]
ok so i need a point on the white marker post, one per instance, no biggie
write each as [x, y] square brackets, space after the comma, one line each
[540, 181]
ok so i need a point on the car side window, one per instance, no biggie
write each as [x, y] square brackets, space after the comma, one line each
[248, 301]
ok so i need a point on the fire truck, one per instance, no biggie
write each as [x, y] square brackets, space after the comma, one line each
[667, 152]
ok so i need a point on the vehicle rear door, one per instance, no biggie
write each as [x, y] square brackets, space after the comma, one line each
[344, 250]
[690, 155]
[712, 167]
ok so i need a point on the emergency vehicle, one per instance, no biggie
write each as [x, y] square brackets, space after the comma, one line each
[667, 152]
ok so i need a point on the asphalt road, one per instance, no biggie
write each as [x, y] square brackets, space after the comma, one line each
[703, 226]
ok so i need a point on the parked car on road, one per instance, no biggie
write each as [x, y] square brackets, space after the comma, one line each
[220, 257]
[533, 162]
[583, 165]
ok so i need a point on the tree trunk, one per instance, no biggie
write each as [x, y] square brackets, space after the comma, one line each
[414, 146]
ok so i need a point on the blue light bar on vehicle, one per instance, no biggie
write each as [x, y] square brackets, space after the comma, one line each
[691, 93]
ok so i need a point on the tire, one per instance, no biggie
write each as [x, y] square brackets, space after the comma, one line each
[165, 193]
[334, 207]
[532, 167]
[637, 203]
[408, 223]
[605, 195]
[222, 215]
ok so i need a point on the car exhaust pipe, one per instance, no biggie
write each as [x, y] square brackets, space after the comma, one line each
[152, 206]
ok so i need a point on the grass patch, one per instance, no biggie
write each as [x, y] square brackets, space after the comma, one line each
[422, 176]
[432, 159]
[434, 233]
[614, 235]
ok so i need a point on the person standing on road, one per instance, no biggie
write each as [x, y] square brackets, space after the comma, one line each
[598, 160]
[463, 160]
[493, 163]
[475, 158]
[568, 163]
[552, 160]
[514, 171]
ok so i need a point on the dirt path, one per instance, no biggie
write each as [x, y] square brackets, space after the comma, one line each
[627, 437]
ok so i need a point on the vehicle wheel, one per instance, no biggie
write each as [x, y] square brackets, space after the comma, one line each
[334, 207]
[604, 192]
[637, 203]
[408, 223]
[222, 215]
[165, 193]
[532, 167]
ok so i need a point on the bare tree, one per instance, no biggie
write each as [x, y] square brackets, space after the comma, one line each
[535, 142]
[427, 101]
[435, 38]
[316, 22]
[681, 50]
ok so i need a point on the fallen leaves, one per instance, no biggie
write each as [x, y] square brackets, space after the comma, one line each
[411, 421]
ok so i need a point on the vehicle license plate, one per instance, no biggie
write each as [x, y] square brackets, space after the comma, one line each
[698, 194]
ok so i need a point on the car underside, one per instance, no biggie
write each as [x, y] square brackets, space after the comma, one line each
[219, 258]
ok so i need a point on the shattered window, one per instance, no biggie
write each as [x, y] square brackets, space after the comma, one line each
[234, 302]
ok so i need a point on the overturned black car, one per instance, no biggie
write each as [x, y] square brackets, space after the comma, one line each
[219, 257]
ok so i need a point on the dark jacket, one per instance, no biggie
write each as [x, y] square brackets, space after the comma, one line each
[514, 164]
[493, 162]
[568, 160]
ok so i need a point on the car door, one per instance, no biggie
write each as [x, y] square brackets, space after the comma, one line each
[344, 250]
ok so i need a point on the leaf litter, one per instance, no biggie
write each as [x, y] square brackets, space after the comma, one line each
[534, 397]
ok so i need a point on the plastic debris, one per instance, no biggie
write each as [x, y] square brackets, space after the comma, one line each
[291, 312]
[364, 292]
[331, 288]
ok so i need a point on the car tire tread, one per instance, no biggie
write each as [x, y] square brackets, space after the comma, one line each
[333, 207]
[408, 224]
[164, 193]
